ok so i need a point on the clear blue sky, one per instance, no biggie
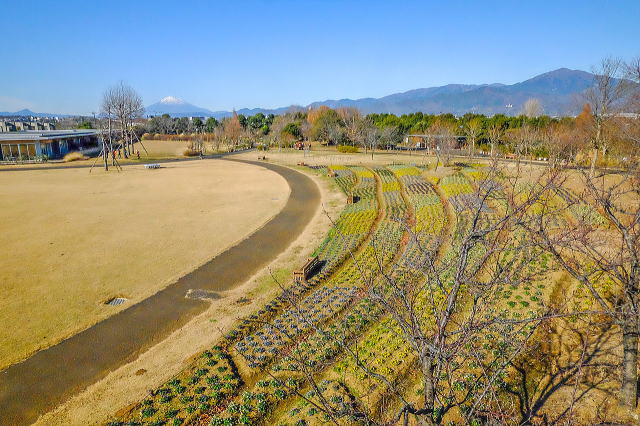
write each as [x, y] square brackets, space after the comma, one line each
[60, 56]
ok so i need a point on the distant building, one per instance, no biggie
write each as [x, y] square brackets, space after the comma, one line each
[19, 125]
[35, 144]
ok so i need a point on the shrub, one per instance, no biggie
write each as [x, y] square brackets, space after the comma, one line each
[148, 412]
[189, 152]
[347, 149]
[74, 156]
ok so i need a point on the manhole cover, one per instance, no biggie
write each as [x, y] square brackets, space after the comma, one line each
[202, 294]
[116, 301]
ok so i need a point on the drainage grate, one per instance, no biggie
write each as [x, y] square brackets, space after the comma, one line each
[116, 301]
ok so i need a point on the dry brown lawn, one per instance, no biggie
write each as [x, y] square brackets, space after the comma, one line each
[158, 149]
[72, 240]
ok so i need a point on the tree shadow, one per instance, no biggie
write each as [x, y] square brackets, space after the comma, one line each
[572, 362]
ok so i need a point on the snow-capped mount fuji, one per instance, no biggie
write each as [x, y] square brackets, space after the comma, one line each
[176, 107]
[172, 100]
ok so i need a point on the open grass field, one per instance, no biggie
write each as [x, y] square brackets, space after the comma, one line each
[73, 240]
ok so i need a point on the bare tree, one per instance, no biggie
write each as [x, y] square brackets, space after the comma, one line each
[353, 122]
[233, 130]
[522, 139]
[495, 133]
[121, 103]
[563, 142]
[630, 125]
[601, 249]
[473, 128]
[445, 142]
[365, 134]
[604, 97]
[532, 108]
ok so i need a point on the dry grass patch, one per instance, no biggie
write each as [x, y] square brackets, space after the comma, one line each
[74, 156]
[73, 240]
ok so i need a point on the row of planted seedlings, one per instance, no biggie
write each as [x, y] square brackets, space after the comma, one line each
[344, 177]
[581, 211]
[528, 299]
[395, 207]
[208, 383]
[429, 216]
[512, 301]
[461, 194]
[494, 347]
[382, 349]
[390, 335]
[269, 341]
[325, 348]
[314, 349]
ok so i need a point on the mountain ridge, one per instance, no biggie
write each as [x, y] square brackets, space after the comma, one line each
[559, 92]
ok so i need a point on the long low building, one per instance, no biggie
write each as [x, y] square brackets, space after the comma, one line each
[38, 144]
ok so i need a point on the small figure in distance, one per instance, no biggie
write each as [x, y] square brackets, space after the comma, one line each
[138, 154]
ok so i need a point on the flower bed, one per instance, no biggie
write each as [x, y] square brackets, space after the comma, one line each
[206, 385]
[259, 348]
[345, 178]
[455, 185]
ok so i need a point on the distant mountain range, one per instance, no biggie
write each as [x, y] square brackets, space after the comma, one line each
[558, 91]
[29, 113]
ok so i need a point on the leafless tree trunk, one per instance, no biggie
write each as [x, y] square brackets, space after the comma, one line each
[495, 134]
[605, 98]
[473, 129]
[601, 249]
[532, 108]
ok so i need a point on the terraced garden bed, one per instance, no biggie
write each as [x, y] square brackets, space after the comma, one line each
[314, 329]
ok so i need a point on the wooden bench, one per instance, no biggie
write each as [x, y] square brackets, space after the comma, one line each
[303, 273]
[152, 166]
[351, 199]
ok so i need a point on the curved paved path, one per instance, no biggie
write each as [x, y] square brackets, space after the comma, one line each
[47, 378]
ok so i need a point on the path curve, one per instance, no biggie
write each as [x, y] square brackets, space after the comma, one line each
[49, 377]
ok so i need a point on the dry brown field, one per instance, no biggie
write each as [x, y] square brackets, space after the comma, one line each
[71, 240]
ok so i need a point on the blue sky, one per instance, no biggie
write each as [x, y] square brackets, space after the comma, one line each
[60, 56]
